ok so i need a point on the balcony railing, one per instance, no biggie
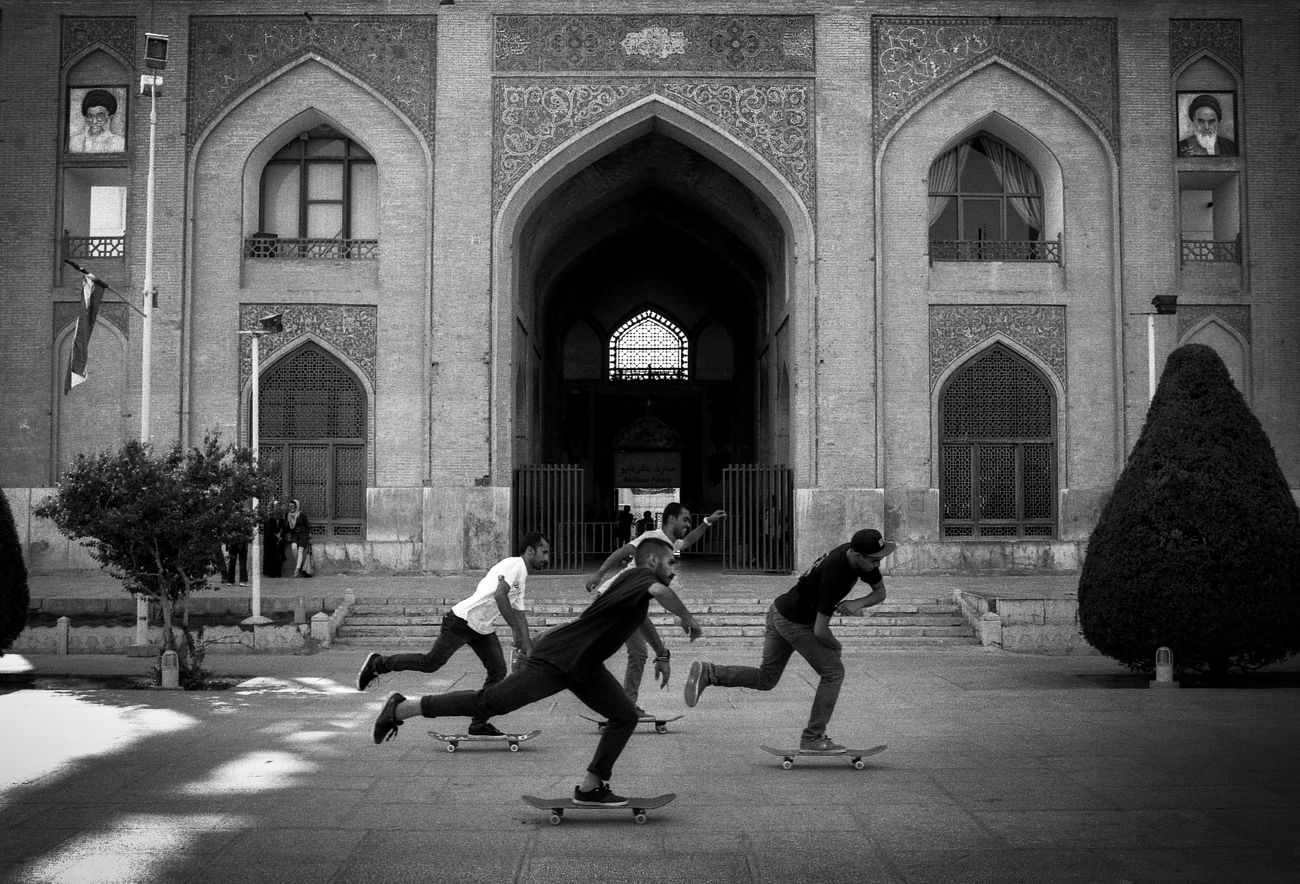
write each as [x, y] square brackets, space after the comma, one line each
[263, 246]
[992, 250]
[1212, 250]
[647, 373]
[94, 246]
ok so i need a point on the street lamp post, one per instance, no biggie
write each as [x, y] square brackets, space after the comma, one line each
[1166, 305]
[269, 325]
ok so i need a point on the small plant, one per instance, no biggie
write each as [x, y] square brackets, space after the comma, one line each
[1198, 548]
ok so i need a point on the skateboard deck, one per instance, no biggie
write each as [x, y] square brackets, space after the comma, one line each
[660, 723]
[638, 806]
[855, 756]
[453, 741]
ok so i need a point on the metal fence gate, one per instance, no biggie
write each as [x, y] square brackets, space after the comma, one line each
[548, 498]
[759, 501]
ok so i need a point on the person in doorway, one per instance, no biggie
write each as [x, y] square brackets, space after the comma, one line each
[473, 621]
[299, 531]
[623, 525]
[800, 620]
[571, 657]
[678, 534]
[647, 523]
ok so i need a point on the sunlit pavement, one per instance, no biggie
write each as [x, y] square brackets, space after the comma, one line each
[1000, 768]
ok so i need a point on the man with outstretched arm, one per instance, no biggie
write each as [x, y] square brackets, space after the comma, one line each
[800, 620]
[676, 527]
[473, 622]
[572, 657]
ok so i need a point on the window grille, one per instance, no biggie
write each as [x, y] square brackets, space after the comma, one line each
[997, 450]
[313, 424]
[648, 348]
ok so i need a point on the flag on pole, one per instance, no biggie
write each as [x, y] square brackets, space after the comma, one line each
[92, 291]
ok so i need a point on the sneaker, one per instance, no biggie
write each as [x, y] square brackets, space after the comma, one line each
[387, 723]
[696, 682]
[821, 744]
[484, 729]
[369, 670]
[601, 796]
[641, 713]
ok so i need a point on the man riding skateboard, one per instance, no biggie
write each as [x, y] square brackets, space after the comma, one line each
[473, 622]
[799, 620]
[572, 657]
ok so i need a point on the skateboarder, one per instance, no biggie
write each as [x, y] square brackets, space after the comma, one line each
[571, 657]
[472, 622]
[676, 527]
[799, 620]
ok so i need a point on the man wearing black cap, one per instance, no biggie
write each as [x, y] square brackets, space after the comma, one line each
[800, 620]
[98, 108]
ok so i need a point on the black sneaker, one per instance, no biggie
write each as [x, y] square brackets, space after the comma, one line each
[387, 723]
[696, 682]
[601, 796]
[368, 671]
[484, 729]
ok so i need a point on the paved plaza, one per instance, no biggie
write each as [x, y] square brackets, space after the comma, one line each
[1000, 767]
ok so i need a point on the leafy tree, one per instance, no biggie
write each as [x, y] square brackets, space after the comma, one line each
[14, 596]
[1198, 548]
[156, 521]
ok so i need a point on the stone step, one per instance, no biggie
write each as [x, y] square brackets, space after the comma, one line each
[707, 620]
[716, 606]
[390, 644]
[756, 630]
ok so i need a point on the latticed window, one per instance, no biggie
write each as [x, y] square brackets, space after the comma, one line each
[648, 347]
[997, 450]
[986, 204]
[313, 429]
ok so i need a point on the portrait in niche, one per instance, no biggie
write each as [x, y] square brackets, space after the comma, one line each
[1207, 124]
[97, 120]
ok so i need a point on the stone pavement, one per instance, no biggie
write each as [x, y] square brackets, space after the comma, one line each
[1001, 768]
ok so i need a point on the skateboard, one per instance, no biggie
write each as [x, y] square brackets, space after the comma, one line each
[638, 806]
[854, 755]
[661, 724]
[454, 740]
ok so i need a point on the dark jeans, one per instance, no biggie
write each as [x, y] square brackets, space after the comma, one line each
[454, 635]
[784, 637]
[538, 680]
[637, 654]
[235, 554]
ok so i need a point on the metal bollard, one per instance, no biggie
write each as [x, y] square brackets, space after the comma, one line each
[62, 633]
[171, 670]
[1164, 669]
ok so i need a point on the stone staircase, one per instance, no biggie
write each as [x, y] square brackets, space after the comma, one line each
[411, 623]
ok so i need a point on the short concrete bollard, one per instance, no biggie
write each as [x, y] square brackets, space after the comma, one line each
[991, 630]
[63, 631]
[320, 628]
[1164, 669]
[300, 611]
[171, 670]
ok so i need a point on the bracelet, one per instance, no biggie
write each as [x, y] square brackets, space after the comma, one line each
[666, 655]
[706, 521]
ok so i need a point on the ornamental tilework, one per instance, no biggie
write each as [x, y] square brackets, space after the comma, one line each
[392, 54]
[351, 329]
[956, 330]
[117, 33]
[728, 44]
[773, 117]
[66, 313]
[916, 57]
[1235, 315]
[1189, 37]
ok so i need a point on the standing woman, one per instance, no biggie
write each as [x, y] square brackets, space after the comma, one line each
[299, 536]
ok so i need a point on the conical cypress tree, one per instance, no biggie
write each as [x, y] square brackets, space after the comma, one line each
[1198, 548]
[14, 595]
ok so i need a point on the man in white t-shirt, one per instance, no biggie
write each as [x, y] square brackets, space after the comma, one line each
[473, 621]
[675, 530]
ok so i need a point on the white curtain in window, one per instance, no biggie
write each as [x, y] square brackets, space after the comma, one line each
[944, 173]
[1016, 177]
[280, 200]
[365, 201]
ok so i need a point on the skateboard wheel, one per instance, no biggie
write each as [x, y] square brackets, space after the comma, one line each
[639, 816]
[555, 819]
[661, 728]
[858, 764]
[451, 747]
[787, 764]
[600, 728]
[514, 747]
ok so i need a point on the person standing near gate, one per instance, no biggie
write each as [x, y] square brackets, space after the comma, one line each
[677, 533]
[623, 525]
[472, 622]
[800, 620]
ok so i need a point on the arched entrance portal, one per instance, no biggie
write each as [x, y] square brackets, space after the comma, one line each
[650, 285]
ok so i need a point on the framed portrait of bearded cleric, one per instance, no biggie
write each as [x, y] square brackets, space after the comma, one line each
[1207, 124]
[97, 119]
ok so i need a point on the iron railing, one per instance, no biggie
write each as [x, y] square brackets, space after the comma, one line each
[94, 246]
[994, 250]
[262, 247]
[1226, 251]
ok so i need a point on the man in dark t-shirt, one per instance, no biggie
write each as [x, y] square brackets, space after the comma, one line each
[572, 657]
[799, 620]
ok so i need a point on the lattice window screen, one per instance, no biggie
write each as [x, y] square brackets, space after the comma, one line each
[648, 347]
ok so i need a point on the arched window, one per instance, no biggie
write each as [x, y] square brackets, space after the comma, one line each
[319, 199]
[997, 450]
[986, 204]
[648, 348]
[313, 427]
